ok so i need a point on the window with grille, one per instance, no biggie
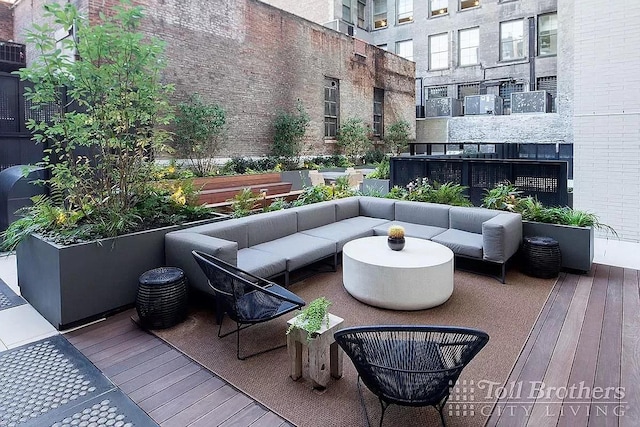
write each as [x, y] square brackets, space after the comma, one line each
[506, 89]
[468, 4]
[405, 11]
[548, 34]
[438, 7]
[512, 40]
[550, 84]
[468, 89]
[469, 43]
[439, 51]
[437, 92]
[331, 107]
[379, 14]
[362, 6]
[405, 49]
[378, 111]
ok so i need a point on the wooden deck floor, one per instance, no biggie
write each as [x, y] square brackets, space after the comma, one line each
[579, 367]
[171, 388]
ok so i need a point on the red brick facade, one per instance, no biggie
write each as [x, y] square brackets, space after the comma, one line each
[6, 22]
[255, 60]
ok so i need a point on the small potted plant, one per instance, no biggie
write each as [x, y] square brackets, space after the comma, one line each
[396, 238]
[312, 318]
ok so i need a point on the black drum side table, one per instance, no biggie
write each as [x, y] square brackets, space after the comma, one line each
[161, 301]
[542, 257]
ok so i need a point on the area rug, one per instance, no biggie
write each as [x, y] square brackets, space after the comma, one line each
[506, 312]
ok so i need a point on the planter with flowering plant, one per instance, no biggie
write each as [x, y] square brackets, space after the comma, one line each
[81, 249]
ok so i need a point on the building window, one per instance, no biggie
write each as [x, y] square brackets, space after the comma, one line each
[405, 11]
[346, 11]
[438, 7]
[550, 84]
[378, 111]
[331, 107]
[362, 6]
[439, 51]
[506, 89]
[548, 34]
[437, 92]
[405, 49]
[469, 43]
[468, 89]
[379, 14]
[512, 40]
[468, 4]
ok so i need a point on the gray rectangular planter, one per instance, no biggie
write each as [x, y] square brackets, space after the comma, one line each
[576, 243]
[298, 178]
[381, 186]
[70, 284]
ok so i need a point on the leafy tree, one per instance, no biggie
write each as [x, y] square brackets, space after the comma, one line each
[397, 136]
[199, 133]
[288, 139]
[353, 139]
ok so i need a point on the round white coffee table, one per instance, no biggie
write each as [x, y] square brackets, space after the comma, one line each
[419, 276]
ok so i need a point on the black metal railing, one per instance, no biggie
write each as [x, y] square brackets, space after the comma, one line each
[12, 55]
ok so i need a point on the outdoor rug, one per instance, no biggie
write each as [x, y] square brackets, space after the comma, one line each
[8, 298]
[506, 312]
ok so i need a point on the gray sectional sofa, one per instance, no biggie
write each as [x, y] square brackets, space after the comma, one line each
[277, 243]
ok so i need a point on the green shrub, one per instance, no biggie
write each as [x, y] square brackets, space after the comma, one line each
[374, 156]
[382, 170]
[397, 137]
[288, 138]
[353, 139]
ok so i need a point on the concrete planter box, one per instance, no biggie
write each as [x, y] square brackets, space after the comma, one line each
[298, 179]
[381, 186]
[576, 243]
[80, 282]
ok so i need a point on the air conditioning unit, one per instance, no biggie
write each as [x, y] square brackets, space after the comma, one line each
[537, 101]
[443, 107]
[341, 26]
[481, 105]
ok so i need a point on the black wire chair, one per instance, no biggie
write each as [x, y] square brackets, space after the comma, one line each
[410, 365]
[246, 298]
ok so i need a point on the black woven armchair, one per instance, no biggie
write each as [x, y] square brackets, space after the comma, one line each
[410, 365]
[246, 298]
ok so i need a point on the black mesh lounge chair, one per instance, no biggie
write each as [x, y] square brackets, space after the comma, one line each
[410, 365]
[246, 298]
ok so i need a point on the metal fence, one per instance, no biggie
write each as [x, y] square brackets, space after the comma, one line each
[545, 180]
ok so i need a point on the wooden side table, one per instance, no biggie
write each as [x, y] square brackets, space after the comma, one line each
[325, 355]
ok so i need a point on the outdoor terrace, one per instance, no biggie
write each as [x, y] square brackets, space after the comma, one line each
[586, 333]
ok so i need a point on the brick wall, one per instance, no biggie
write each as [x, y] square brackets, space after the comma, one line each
[6, 22]
[256, 60]
[607, 114]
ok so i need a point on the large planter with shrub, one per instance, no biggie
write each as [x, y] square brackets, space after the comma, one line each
[576, 243]
[298, 178]
[75, 283]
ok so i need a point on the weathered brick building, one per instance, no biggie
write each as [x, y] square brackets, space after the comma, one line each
[6, 22]
[256, 60]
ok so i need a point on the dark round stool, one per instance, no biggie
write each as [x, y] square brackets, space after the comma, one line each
[542, 257]
[162, 297]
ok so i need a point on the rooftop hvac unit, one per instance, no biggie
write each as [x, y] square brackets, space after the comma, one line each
[443, 107]
[537, 101]
[477, 105]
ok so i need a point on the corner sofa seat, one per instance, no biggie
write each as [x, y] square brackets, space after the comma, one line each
[276, 243]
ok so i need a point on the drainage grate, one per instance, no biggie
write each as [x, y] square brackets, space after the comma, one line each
[8, 298]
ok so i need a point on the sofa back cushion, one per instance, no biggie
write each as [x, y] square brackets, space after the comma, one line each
[349, 207]
[234, 230]
[432, 214]
[469, 219]
[315, 215]
[376, 207]
[271, 226]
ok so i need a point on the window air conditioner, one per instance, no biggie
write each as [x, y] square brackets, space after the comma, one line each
[537, 101]
[443, 107]
[481, 105]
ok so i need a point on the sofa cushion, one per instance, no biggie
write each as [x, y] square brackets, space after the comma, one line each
[433, 214]
[298, 249]
[376, 207]
[461, 242]
[343, 231]
[410, 229]
[315, 215]
[271, 226]
[232, 230]
[469, 219]
[260, 263]
[348, 207]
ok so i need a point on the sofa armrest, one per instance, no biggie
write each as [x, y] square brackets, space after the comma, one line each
[501, 237]
[178, 247]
